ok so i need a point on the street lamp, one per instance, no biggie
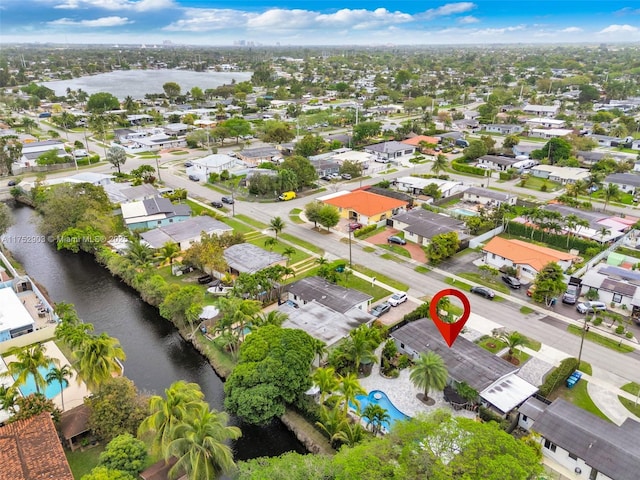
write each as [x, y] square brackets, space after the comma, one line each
[585, 329]
[349, 246]
[158, 167]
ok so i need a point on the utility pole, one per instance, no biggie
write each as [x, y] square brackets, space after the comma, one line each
[349, 246]
[157, 156]
[584, 333]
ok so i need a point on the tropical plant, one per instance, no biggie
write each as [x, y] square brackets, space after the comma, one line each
[375, 416]
[326, 380]
[611, 192]
[439, 164]
[29, 360]
[98, 359]
[289, 252]
[332, 421]
[8, 398]
[277, 225]
[60, 375]
[348, 388]
[168, 252]
[116, 156]
[270, 243]
[429, 371]
[513, 340]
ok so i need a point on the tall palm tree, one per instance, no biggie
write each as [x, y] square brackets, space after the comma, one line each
[570, 222]
[138, 253]
[60, 375]
[165, 414]
[376, 416]
[200, 445]
[439, 164]
[360, 346]
[289, 252]
[611, 192]
[270, 242]
[348, 388]
[97, 360]
[332, 421]
[513, 340]
[274, 317]
[73, 334]
[429, 372]
[350, 433]
[8, 398]
[603, 232]
[168, 252]
[277, 225]
[325, 379]
[29, 360]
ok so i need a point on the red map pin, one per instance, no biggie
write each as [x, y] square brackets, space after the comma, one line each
[449, 331]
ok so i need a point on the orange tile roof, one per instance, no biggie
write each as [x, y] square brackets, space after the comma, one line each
[366, 203]
[415, 141]
[521, 252]
[31, 450]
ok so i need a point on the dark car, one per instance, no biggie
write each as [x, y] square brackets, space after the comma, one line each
[204, 279]
[188, 164]
[12, 183]
[354, 226]
[513, 282]
[194, 178]
[216, 204]
[397, 240]
[483, 292]
[227, 200]
[380, 309]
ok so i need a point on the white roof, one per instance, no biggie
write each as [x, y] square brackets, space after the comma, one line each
[215, 160]
[13, 314]
[353, 156]
[548, 121]
[133, 210]
[508, 392]
[554, 132]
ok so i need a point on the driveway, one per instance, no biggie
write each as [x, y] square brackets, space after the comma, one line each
[394, 315]
[414, 249]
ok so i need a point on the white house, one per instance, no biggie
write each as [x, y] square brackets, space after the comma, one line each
[503, 128]
[387, 151]
[415, 185]
[616, 285]
[185, 233]
[484, 196]
[628, 182]
[541, 110]
[541, 122]
[216, 163]
[561, 175]
[549, 132]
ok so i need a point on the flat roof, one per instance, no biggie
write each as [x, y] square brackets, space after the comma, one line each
[249, 258]
[330, 295]
[13, 313]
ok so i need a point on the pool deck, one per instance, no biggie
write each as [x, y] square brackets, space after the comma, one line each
[403, 394]
[75, 392]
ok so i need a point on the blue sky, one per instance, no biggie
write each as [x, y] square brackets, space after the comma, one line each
[328, 22]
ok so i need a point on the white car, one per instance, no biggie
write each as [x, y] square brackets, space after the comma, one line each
[397, 298]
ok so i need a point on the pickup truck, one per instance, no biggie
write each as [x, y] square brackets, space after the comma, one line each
[204, 279]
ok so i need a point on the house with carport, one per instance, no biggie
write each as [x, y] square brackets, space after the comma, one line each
[205, 166]
[488, 198]
[152, 213]
[627, 182]
[614, 284]
[528, 259]
[184, 233]
[497, 382]
[420, 225]
[499, 163]
[363, 206]
[415, 185]
[387, 151]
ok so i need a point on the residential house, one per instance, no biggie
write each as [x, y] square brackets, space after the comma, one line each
[606, 140]
[335, 297]
[496, 162]
[363, 206]
[325, 166]
[31, 151]
[364, 159]
[449, 137]
[615, 285]
[153, 142]
[415, 185]
[258, 155]
[31, 450]
[541, 122]
[524, 150]
[583, 443]
[503, 128]
[388, 151]
[123, 192]
[15, 319]
[142, 119]
[249, 258]
[420, 225]
[549, 132]
[627, 182]
[635, 145]
[541, 110]
[528, 259]
[489, 198]
[216, 163]
[184, 233]
[419, 140]
[591, 157]
[496, 380]
[563, 175]
[154, 212]
[601, 227]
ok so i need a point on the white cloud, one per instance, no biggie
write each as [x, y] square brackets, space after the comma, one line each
[628, 11]
[133, 5]
[571, 30]
[619, 29]
[98, 22]
[202, 20]
[469, 19]
[448, 9]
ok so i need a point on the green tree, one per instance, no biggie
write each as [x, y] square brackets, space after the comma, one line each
[443, 246]
[6, 218]
[237, 127]
[375, 416]
[511, 141]
[33, 405]
[276, 131]
[312, 212]
[168, 252]
[351, 168]
[102, 102]
[9, 398]
[555, 150]
[98, 359]
[104, 473]
[432, 190]
[326, 380]
[475, 150]
[513, 340]
[440, 164]
[549, 283]
[429, 372]
[124, 453]
[611, 192]
[277, 225]
[348, 388]
[310, 145]
[60, 375]
[116, 156]
[29, 360]
[328, 216]
[200, 445]
[171, 90]
[304, 170]
[366, 130]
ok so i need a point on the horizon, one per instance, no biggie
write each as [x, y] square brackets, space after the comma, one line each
[329, 23]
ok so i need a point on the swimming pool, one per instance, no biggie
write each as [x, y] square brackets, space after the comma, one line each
[464, 211]
[29, 386]
[378, 397]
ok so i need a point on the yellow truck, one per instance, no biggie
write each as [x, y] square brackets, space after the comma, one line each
[287, 196]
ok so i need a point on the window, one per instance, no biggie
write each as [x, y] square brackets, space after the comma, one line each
[524, 418]
[617, 298]
[549, 445]
[573, 456]
[402, 345]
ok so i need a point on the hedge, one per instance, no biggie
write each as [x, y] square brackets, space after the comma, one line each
[558, 376]
[364, 230]
[552, 239]
[461, 167]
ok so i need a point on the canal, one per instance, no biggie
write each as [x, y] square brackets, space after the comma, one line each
[157, 355]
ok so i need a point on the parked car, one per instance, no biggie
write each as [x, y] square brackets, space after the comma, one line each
[588, 307]
[571, 295]
[326, 178]
[354, 226]
[530, 290]
[194, 178]
[346, 176]
[216, 204]
[188, 164]
[204, 279]
[227, 200]
[397, 240]
[513, 282]
[397, 298]
[483, 292]
[380, 309]
[12, 183]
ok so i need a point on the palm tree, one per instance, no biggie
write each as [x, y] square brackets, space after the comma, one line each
[168, 252]
[29, 360]
[274, 317]
[603, 232]
[360, 346]
[376, 416]
[200, 445]
[611, 192]
[439, 164]
[139, 254]
[325, 379]
[332, 421]
[289, 252]
[571, 222]
[270, 243]
[277, 225]
[429, 372]
[513, 340]
[350, 433]
[8, 398]
[61, 376]
[73, 334]
[321, 261]
[165, 414]
[98, 359]
[348, 388]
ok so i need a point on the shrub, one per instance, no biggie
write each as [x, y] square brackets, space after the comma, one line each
[597, 321]
[558, 376]
[619, 329]
[364, 230]
[403, 362]
[125, 453]
[589, 248]
[461, 167]
[421, 312]
[628, 335]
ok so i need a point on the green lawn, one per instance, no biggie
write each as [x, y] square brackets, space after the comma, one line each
[631, 387]
[238, 226]
[369, 249]
[491, 282]
[604, 341]
[382, 278]
[536, 183]
[252, 222]
[585, 367]
[491, 344]
[526, 310]
[397, 250]
[422, 269]
[280, 247]
[352, 281]
[579, 396]
[372, 233]
[81, 463]
[631, 405]
[534, 344]
[302, 243]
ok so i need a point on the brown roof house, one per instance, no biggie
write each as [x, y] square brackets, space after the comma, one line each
[31, 450]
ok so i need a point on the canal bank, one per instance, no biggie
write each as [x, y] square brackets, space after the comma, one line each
[157, 355]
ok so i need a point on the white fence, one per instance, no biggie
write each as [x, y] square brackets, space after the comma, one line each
[480, 239]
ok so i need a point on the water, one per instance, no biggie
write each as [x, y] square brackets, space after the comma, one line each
[137, 83]
[29, 386]
[465, 212]
[378, 397]
[157, 355]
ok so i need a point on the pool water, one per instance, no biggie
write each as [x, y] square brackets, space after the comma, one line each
[378, 397]
[29, 386]
[465, 212]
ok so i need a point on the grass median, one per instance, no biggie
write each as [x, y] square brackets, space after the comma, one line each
[611, 343]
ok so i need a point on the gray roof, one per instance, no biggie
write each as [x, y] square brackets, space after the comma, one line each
[498, 160]
[610, 449]
[260, 152]
[465, 361]
[485, 192]
[532, 408]
[249, 258]
[619, 287]
[623, 179]
[157, 205]
[178, 232]
[139, 191]
[389, 147]
[428, 224]
[335, 297]
[590, 216]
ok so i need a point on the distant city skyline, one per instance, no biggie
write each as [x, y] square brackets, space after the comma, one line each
[330, 22]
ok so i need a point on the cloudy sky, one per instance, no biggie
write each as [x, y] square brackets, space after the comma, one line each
[327, 22]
